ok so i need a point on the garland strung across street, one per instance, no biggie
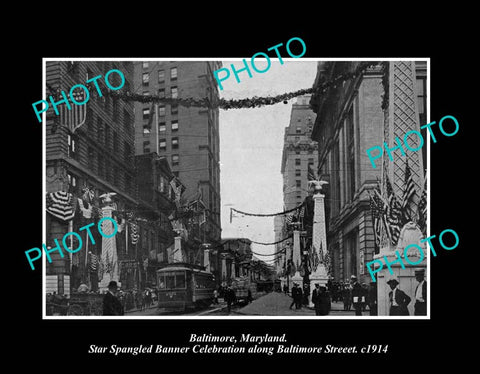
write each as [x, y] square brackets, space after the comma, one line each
[252, 102]
[265, 215]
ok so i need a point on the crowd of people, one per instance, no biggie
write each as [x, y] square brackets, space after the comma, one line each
[360, 296]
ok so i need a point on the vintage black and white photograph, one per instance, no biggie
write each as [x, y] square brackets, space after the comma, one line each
[188, 188]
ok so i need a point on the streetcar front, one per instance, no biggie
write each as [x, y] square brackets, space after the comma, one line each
[173, 290]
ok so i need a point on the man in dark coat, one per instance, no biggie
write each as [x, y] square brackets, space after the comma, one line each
[358, 295]
[111, 304]
[321, 300]
[420, 293]
[399, 300]
[296, 296]
[229, 297]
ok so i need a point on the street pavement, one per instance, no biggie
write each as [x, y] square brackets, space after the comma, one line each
[271, 304]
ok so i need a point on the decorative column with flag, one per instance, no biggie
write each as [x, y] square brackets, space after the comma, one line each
[319, 238]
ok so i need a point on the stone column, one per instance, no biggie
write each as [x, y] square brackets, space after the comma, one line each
[177, 251]
[206, 259]
[224, 270]
[319, 242]
[108, 257]
[297, 278]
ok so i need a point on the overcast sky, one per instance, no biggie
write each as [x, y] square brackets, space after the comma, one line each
[251, 143]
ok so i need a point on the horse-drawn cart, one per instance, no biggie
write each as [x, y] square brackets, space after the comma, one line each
[79, 304]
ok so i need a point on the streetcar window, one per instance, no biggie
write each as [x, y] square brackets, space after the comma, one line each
[180, 281]
[170, 280]
[161, 281]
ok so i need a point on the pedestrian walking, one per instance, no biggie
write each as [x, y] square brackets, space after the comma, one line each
[321, 300]
[215, 296]
[399, 300]
[420, 293]
[296, 296]
[347, 297]
[306, 293]
[285, 289]
[111, 304]
[358, 295]
[229, 297]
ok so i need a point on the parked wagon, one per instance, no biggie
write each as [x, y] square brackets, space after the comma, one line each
[79, 304]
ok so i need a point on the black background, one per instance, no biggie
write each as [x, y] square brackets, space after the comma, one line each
[441, 339]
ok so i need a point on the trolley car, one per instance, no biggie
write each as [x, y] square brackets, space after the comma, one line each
[184, 286]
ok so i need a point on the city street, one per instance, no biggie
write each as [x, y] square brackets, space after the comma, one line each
[272, 304]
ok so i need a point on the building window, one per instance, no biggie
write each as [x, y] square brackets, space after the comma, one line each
[298, 172]
[298, 183]
[145, 79]
[298, 161]
[146, 113]
[115, 109]
[72, 180]
[145, 64]
[116, 181]
[310, 161]
[174, 109]
[146, 146]
[146, 93]
[173, 73]
[175, 143]
[101, 166]
[175, 160]
[127, 151]
[297, 152]
[161, 110]
[162, 127]
[162, 144]
[128, 183]
[91, 158]
[72, 148]
[161, 92]
[174, 125]
[161, 76]
[115, 143]
[174, 91]
[126, 119]
[107, 137]
[146, 129]
[299, 130]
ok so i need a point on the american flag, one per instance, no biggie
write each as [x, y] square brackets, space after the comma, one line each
[377, 207]
[312, 175]
[422, 209]
[75, 117]
[408, 193]
[394, 213]
[93, 262]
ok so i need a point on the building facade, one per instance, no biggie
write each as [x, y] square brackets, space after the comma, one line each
[87, 155]
[299, 152]
[349, 120]
[188, 137]
[92, 173]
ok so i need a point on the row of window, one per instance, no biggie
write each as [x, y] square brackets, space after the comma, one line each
[298, 162]
[148, 112]
[161, 75]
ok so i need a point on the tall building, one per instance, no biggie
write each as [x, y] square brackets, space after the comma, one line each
[91, 171]
[299, 151]
[188, 137]
[89, 152]
[350, 118]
